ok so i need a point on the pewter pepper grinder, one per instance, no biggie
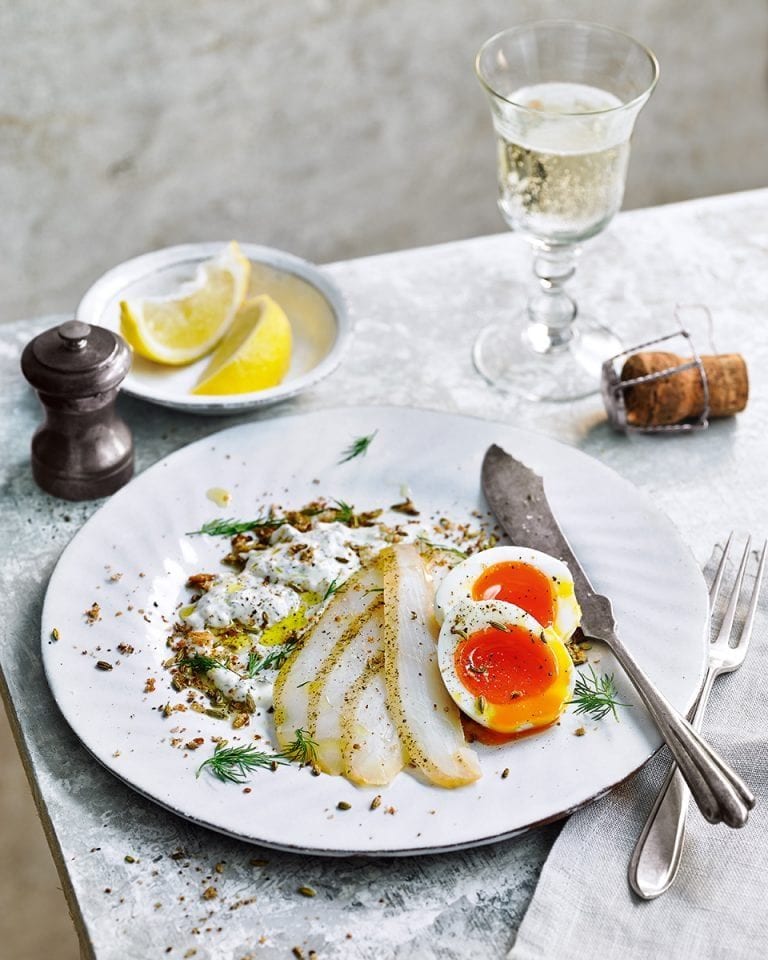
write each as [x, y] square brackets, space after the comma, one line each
[83, 450]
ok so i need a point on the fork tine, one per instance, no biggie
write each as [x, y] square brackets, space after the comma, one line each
[727, 625]
[746, 630]
[714, 590]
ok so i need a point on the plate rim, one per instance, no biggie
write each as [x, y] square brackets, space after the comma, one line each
[337, 852]
[91, 307]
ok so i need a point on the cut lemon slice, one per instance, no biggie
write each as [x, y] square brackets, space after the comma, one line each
[254, 354]
[179, 329]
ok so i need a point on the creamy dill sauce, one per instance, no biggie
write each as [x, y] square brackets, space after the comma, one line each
[245, 600]
[312, 561]
[281, 584]
[270, 587]
[259, 689]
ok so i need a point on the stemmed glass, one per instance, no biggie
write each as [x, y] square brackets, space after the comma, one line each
[564, 97]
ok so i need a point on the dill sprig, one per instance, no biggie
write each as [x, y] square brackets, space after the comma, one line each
[596, 696]
[302, 750]
[442, 546]
[231, 527]
[201, 664]
[333, 587]
[344, 512]
[357, 448]
[253, 664]
[232, 764]
[270, 661]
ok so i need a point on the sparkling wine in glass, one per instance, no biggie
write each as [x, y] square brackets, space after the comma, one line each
[564, 97]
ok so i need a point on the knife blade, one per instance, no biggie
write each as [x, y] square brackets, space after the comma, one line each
[516, 495]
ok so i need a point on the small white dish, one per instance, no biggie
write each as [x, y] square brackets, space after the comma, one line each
[134, 555]
[312, 302]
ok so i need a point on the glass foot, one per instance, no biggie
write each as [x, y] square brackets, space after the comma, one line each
[516, 358]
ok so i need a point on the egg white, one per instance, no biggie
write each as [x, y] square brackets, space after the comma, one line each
[457, 585]
[470, 616]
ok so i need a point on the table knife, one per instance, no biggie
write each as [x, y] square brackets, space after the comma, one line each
[517, 497]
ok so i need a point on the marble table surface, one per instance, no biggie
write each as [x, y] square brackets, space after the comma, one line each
[416, 314]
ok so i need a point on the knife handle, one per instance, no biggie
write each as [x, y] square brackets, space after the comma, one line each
[659, 848]
[720, 794]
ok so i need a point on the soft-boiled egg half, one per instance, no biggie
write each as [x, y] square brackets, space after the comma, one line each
[502, 667]
[534, 581]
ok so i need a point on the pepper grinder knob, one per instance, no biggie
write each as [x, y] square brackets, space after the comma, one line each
[74, 334]
[83, 450]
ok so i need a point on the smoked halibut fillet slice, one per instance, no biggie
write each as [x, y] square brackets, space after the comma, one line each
[344, 616]
[340, 671]
[371, 749]
[425, 716]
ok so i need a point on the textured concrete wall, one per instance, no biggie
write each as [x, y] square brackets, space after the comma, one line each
[330, 128]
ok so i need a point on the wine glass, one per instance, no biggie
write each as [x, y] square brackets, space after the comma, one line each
[564, 97]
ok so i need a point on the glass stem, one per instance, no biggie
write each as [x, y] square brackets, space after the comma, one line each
[551, 310]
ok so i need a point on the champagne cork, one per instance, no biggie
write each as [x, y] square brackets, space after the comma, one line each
[680, 396]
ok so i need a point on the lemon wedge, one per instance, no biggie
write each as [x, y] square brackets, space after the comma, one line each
[180, 329]
[254, 354]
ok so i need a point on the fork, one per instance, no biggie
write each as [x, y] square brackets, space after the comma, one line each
[657, 854]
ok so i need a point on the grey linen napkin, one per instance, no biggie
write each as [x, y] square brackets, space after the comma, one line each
[718, 906]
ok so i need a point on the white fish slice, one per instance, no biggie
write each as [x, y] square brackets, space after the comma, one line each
[346, 612]
[425, 716]
[372, 752]
[342, 668]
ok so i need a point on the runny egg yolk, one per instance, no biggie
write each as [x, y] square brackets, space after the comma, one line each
[520, 681]
[518, 583]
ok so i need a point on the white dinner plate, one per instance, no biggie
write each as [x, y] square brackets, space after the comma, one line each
[312, 303]
[140, 538]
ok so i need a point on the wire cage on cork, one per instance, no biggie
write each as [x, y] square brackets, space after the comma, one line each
[654, 391]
